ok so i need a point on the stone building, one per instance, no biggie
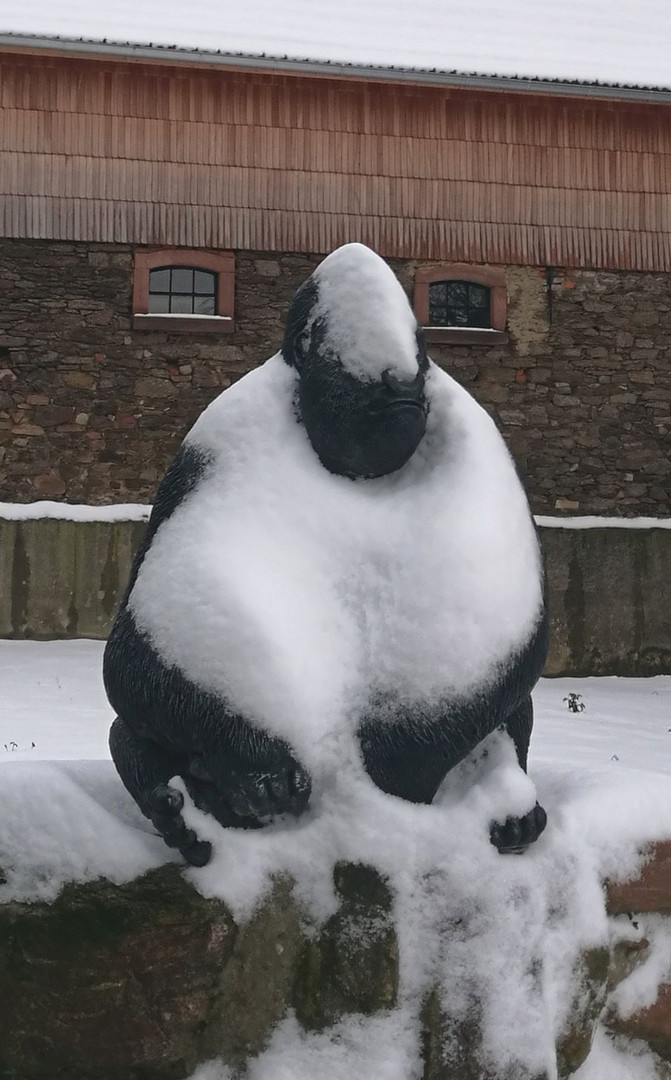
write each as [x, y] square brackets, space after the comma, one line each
[160, 203]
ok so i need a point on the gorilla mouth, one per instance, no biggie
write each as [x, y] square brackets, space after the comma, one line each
[403, 403]
[400, 396]
[409, 406]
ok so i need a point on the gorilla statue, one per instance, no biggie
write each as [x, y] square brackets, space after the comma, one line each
[340, 545]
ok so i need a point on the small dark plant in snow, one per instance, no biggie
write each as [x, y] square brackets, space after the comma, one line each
[574, 702]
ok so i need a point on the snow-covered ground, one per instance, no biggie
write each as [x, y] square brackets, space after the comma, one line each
[53, 702]
[602, 773]
[53, 696]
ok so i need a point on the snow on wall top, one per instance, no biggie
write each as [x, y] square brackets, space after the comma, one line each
[61, 511]
[616, 42]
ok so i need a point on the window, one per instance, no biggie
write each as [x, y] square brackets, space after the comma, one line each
[461, 304]
[183, 291]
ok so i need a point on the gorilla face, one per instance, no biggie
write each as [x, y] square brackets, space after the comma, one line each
[362, 366]
[359, 429]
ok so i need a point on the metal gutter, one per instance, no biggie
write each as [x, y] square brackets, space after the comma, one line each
[169, 54]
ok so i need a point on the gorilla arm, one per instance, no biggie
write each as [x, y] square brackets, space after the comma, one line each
[408, 751]
[168, 726]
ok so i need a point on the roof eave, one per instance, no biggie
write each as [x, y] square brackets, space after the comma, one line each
[286, 65]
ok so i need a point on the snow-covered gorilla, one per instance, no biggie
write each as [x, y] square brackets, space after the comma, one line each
[341, 548]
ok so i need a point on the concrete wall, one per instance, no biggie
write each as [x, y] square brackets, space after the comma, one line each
[609, 593]
[63, 579]
[609, 589]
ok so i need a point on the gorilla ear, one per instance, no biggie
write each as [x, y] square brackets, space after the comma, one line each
[422, 355]
[297, 336]
[301, 347]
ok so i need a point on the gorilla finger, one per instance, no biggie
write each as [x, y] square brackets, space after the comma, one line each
[507, 836]
[200, 792]
[541, 818]
[249, 797]
[527, 830]
[198, 769]
[277, 786]
[177, 835]
[165, 801]
[300, 785]
[197, 853]
[180, 836]
[496, 835]
[239, 803]
[532, 825]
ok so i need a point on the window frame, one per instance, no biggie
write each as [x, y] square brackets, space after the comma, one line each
[222, 263]
[492, 276]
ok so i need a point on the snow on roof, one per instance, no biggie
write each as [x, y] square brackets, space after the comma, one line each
[625, 43]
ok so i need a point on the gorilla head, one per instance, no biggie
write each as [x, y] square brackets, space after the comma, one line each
[361, 359]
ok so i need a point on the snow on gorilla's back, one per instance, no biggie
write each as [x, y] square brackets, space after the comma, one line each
[307, 590]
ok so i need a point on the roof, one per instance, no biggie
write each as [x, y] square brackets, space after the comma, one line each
[597, 43]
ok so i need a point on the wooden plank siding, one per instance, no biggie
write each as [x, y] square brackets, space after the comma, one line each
[131, 153]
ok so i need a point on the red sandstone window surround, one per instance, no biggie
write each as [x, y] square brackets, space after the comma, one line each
[199, 300]
[451, 292]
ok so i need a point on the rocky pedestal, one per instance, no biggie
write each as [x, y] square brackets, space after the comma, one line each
[650, 894]
[147, 980]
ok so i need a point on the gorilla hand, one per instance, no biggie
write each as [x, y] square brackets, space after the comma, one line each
[165, 812]
[516, 833]
[145, 768]
[249, 793]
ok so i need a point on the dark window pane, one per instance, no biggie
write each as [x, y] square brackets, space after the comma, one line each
[478, 295]
[159, 281]
[456, 292]
[479, 304]
[203, 305]
[459, 303]
[181, 305]
[182, 280]
[437, 300]
[158, 304]
[181, 290]
[479, 317]
[204, 281]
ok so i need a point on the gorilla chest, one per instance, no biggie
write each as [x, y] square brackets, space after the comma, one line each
[311, 596]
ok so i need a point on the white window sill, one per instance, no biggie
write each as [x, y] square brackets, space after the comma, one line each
[464, 335]
[190, 324]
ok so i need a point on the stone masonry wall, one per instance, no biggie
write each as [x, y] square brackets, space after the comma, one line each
[149, 979]
[91, 411]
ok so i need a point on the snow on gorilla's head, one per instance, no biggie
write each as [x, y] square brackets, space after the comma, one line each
[368, 322]
[353, 340]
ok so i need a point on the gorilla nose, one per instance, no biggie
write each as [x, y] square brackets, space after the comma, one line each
[407, 390]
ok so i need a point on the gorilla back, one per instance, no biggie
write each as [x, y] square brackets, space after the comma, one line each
[342, 548]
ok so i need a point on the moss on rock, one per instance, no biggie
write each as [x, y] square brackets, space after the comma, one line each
[353, 965]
